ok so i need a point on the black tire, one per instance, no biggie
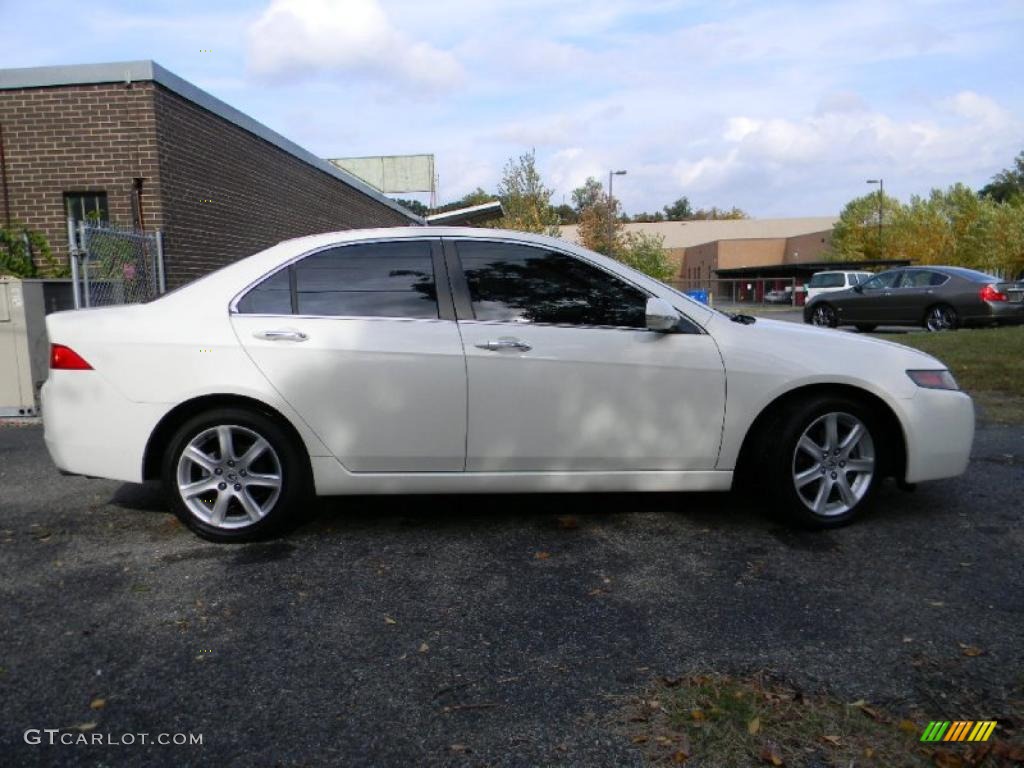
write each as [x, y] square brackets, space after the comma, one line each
[270, 510]
[778, 462]
[941, 317]
[866, 327]
[823, 315]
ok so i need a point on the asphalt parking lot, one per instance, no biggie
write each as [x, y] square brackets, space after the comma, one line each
[484, 630]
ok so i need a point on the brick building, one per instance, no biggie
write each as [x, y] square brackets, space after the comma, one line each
[141, 147]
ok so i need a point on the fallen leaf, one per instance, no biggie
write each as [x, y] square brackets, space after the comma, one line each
[389, 620]
[424, 647]
[85, 726]
[680, 756]
[970, 650]
[541, 555]
[943, 758]
[862, 705]
[672, 682]
[936, 603]
[568, 523]
[754, 726]
[869, 752]
[664, 741]
[697, 714]
[98, 703]
[639, 739]
[909, 726]
[770, 754]
[458, 748]
[835, 741]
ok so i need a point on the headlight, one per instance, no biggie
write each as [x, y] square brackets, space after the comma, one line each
[933, 379]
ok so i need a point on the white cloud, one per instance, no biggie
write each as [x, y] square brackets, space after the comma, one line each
[354, 37]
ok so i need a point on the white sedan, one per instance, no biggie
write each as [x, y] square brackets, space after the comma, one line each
[444, 360]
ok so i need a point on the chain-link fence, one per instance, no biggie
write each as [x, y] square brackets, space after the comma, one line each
[114, 265]
[755, 290]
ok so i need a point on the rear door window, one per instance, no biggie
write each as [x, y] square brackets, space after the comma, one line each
[394, 279]
[828, 280]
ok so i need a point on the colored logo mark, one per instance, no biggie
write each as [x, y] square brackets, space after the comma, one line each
[958, 730]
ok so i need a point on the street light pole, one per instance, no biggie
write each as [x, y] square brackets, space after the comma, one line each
[611, 208]
[881, 208]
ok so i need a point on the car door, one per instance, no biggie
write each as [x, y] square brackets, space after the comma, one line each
[564, 375]
[873, 303]
[914, 294]
[361, 340]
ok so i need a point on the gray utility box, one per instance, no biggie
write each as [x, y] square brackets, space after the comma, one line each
[24, 348]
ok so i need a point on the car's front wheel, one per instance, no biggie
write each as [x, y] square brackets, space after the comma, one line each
[823, 460]
[824, 316]
[234, 474]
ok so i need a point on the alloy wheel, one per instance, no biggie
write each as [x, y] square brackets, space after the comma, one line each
[940, 319]
[823, 316]
[229, 476]
[833, 464]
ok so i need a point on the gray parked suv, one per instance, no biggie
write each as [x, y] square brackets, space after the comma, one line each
[938, 298]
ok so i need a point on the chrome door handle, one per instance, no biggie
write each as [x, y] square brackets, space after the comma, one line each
[281, 335]
[496, 345]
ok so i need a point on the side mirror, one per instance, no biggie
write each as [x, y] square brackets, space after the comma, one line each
[661, 316]
[858, 288]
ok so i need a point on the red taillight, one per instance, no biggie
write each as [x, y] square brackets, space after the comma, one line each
[991, 293]
[66, 359]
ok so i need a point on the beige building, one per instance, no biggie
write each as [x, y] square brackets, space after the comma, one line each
[699, 248]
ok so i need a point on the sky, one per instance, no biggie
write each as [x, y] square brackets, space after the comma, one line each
[782, 108]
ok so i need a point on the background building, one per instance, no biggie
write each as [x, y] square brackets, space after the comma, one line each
[137, 145]
[699, 248]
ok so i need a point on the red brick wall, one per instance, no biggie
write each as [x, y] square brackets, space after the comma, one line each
[260, 195]
[83, 138]
[92, 138]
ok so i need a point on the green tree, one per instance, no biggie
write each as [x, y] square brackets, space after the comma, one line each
[587, 196]
[646, 253]
[413, 205]
[856, 235]
[25, 253]
[525, 198]
[648, 218]
[566, 214]
[477, 197]
[680, 210]
[719, 213]
[1007, 184]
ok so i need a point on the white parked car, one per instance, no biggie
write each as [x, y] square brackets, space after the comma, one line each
[833, 280]
[441, 360]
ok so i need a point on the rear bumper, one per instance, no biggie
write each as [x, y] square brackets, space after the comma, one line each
[1002, 312]
[91, 429]
[939, 427]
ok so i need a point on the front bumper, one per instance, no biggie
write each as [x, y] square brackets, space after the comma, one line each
[939, 431]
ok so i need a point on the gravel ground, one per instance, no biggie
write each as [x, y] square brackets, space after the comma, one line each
[483, 630]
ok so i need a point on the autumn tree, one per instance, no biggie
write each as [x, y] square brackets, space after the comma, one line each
[599, 224]
[525, 198]
[856, 235]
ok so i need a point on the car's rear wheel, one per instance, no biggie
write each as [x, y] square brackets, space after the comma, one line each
[823, 460]
[941, 317]
[824, 316]
[866, 327]
[234, 474]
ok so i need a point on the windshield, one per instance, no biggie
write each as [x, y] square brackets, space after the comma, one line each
[828, 280]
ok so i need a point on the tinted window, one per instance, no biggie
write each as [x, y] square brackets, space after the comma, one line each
[973, 275]
[271, 297]
[365, 280]
[517, 283]
[922, 278]
[883, 280]
[828, 280]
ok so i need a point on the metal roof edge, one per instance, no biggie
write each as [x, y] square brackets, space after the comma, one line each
[142, 71]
